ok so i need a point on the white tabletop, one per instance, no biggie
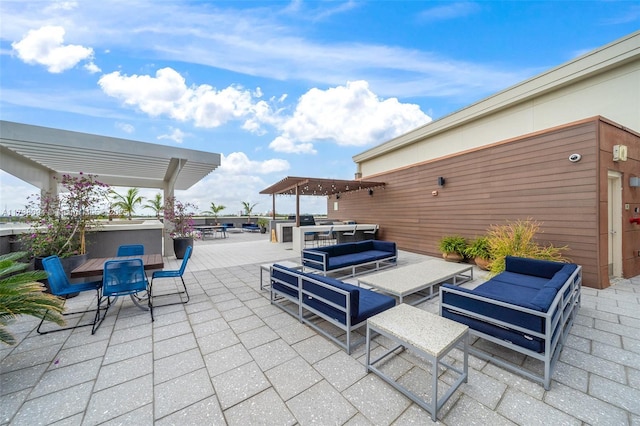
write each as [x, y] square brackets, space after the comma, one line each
[428, 332]
[403, 280]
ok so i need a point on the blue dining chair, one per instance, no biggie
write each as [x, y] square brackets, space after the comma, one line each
[177, 273]
[123, 278]
[60, 286]
[130, 250]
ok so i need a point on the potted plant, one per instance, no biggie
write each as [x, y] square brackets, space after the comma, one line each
[179, 216]
[453, 248]
[479, 251]
[263, 223]
[22, 294]
[59, 224]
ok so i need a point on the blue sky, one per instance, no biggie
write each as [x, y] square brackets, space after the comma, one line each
[277, 88]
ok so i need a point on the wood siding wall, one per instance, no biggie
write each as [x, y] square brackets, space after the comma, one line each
[524, 178]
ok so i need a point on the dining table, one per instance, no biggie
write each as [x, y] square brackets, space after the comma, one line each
[95, 267]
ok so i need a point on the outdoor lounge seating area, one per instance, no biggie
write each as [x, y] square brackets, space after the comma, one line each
[230, 357]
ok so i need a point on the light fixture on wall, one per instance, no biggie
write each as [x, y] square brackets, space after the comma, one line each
[370, 192]
[634, 181]
[337, 196]
[440, 181]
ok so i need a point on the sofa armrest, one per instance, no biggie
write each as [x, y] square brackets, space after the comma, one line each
[315, 259]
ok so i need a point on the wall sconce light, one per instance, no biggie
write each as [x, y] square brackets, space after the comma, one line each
[634, 181]
[370, 192]
[440, 181]
[338, 196]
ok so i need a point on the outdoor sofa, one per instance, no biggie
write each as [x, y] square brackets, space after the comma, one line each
[250, 227]
[350, 256]
[312, 298]
[528, 308]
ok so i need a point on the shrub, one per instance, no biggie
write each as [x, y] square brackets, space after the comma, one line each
[518, 239]
[479, 248]
[453, 244]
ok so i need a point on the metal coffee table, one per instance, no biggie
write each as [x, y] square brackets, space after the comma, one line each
[431, 337]
[403, 281]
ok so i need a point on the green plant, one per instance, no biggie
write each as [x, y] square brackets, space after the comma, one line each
[126, 203]
[479, 248]
[518, 239]
[215, 209]
[180, 215]
[59, 223]
[263, 222]
[21, 294]
[155, 204]
[453, 244]
[248, 208]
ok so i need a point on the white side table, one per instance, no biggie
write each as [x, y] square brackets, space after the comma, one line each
[429, 335]
[267, 267]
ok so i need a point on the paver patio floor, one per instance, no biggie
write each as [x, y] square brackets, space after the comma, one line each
[229, 357]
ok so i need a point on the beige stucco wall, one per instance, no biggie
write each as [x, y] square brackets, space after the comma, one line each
[605, 82]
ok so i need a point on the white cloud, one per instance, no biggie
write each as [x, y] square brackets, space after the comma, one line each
[176, 135]
[168, 94]
[92, 68]
[125, 127]
[238, 163]
[350, 115]
[45, 46]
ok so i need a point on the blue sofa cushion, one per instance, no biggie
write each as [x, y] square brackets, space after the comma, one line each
[516, 337]
[544, 298]
[561, 277]
[332, 296]
[372, 303]
[513, 278]
[501, 293]
[534, 267]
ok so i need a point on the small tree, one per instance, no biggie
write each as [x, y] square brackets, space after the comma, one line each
[248, 208]
[155, 204]
[215, 209]
[127, 203]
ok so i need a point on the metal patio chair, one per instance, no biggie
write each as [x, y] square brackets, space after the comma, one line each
[130, 250]
[60, 286]
[123, 278]
[178, 273]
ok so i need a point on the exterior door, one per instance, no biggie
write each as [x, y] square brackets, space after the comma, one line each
[615, 224]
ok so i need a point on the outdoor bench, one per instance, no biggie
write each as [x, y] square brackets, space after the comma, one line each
[528, 308]
[312, 298]
[349, 256]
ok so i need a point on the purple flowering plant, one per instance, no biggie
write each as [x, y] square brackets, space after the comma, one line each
[180, 216]
[59, 223]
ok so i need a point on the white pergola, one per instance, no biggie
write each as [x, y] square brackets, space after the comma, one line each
[37, 154]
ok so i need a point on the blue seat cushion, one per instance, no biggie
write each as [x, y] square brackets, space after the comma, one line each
[513, 278]
[372, 303]
[332, 296]
[503, 293]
